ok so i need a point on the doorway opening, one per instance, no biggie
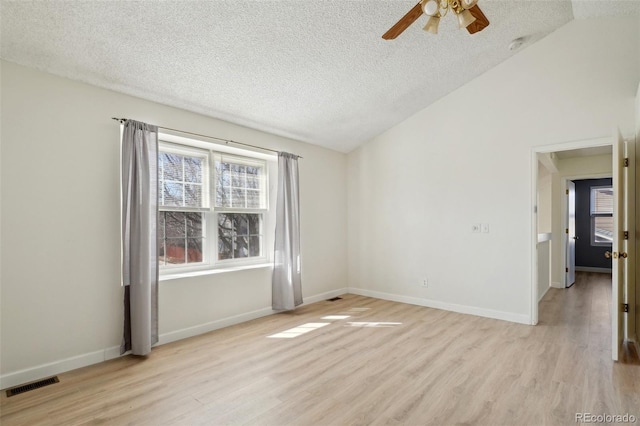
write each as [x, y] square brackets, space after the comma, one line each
[584, 161]
[555, 167]
[590, 227]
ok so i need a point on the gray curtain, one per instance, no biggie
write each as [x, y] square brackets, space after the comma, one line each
[286, 286]
[139, 236]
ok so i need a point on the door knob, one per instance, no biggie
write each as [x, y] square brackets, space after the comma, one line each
[609, 255]
[623, 254]
[576, 237]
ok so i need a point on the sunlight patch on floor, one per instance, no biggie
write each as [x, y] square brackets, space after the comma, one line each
[336, 317]
[373, 324]
[299, 330]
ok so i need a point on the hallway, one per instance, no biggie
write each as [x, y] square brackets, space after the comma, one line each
[580, 318]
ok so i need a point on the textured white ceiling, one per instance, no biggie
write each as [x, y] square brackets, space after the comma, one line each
[317, 71]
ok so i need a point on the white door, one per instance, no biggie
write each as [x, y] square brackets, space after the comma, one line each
[571, 234]
[619, 261]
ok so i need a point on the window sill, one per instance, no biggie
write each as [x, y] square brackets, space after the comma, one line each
[178, 275]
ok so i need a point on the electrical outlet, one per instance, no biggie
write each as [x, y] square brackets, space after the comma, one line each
[425, 283]
[485, 228]
[475, 228]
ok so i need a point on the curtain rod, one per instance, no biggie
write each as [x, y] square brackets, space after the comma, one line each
[226, 141]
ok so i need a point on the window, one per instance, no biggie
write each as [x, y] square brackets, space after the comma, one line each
[601, 215]
[240, 205]
[182, 198]
[212, 208]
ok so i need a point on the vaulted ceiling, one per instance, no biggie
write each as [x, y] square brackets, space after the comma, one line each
[316, 71]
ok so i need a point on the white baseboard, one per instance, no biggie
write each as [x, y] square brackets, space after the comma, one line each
[463, 309]
[592, 269]
[557, 285]
[237, 319]
[51, 369]
[185, 333]
[57, 367]
[543, 294]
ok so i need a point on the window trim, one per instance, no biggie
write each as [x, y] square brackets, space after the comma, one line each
[593, 215]
[210, 262]
[172, 148]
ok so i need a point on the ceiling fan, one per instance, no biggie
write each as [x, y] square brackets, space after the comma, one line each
[468, 12]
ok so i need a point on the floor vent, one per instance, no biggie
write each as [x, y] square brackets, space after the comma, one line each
[333, 299]
[31, 386]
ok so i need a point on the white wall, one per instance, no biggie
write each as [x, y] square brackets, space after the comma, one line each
[545, 202]
[637, 286]
[415, 190]
[543, 249]
[60, 294]
[570, 168]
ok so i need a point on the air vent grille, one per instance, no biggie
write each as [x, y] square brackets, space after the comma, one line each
[31, 386]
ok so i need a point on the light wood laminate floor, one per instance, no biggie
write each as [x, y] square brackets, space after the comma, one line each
[432, 367]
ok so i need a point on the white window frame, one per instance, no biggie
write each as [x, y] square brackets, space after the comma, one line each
[247, 161]
[593, 215]
[193, 152]
[210, 262]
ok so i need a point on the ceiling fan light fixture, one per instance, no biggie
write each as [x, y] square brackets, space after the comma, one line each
[465, 18]
[432, 25]
[468, 12]
[468, 4]
[430, 7]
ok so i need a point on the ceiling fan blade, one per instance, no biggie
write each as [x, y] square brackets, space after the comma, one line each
[404, 22]
[481, 21]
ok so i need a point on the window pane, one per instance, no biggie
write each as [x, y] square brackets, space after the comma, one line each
[161, 225]
[238, 180]
[225, 246]
[194, 250]
[193, 169]
[603, 229]
[239, 235]
[174, 224]
[225, 222]
[194, 224]
[225, 179]
[183, 180]
[223, 197]
[161, 258]
[192, 195]
[253, 199]
[254, 224]
[180, 237]
[253, 183]
[241, 224]
[254, 246]
[172, 194]
[233, 180]
[175, 251]
[241, 248]
[171, 166]
[602, 200]
[238, 197]
[161, 238]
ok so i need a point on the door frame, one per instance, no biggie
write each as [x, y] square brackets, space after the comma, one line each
[569, 184]
[547, 149]
[564, 209]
